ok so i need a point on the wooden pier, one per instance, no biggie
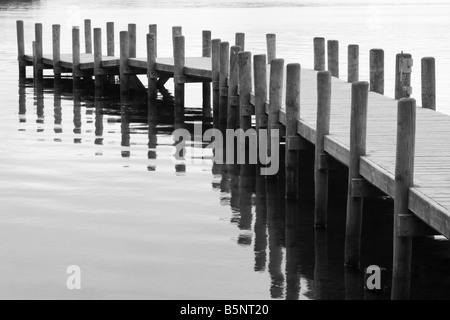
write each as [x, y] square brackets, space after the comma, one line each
[391, 147]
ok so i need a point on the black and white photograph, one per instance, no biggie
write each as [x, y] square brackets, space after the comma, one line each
[224, 155]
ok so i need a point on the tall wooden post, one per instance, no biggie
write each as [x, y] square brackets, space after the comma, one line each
[76, 57]
[319, 54]
[233, 117]
[404, 180]
[153, 29]
[271, 40]
[403, 68]
[333, 57]
[260, 76]
[88, 35]
[292, 115]
[39, 53]
[275, 95]
[206, 86]
[110, 39]
[353, 63]
[245, 88]
[377, 71]
[56, 35]
[215, 62]
[179, 61]
[151, 76]
[176, 31]
[358, 129]
[320, 167]
[429, 83]
[223, 79]
[124, 69]
[21, 50]
[98, 54]
[240, 40]
[132, 35]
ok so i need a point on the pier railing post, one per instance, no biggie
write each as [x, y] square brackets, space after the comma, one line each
[110, 39]
[152, 77]
[179, 62]
[240, 40]
[88, 35]
[223, 81]
[153, 29]
[215, 62]
[206, 86]
[98, 54]
[319, 54]
[39, 53]
[403, 68]
[429, 83]
[358, 128]
[56, 35]
[353, 63]
[124, 70]
[76, 56]
[377, 70]
[233, 117]
[320, 167]
[293, 71]
[260, 79]
[132, 34]
[404, 180]
[275, 98]
[333, 57]
[21, 50]
[176, 31]
[271, 40]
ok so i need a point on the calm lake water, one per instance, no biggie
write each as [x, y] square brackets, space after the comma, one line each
[83, 183]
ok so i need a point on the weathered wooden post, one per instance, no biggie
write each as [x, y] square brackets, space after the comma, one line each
[179, 62]
[353, 63]
[320, 163]
[358, 129]
[21, 50]
[152, 76]
[429, 83]
[377, 70]
[206, 86]
[271, 40]
[88, 35]
[56, 36]
[98, 54]
[132, 34]
[333, 57]
[233, 117]
[34, 61]
[153, 29]
[215, 62]
[223, 79]
[260, 79]
[39, 53]
[403, 68]
[110, 39]
[245, 88]
[292, 115]
[404, 180]
[275, 96]
[319, 54]
[124, 69]
[240, 40]
[76, 74]
[176, 31]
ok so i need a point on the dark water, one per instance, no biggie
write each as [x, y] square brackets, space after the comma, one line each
[88, 182]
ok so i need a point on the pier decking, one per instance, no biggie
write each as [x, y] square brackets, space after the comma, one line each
[428, 198]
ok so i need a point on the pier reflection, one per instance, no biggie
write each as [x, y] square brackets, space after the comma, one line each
[39, 103]
[77, 124]
[57, 108]
[22, 103]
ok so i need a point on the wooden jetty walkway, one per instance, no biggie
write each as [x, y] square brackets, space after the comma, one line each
[391, 146]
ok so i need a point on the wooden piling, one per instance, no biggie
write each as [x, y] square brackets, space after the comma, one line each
[176, 31]
[271, 40]
[124, 71]
[39, 72]
[275, 95]
[110, 39]
[353, 63]
[429, 83]
[233, 117]
[151, 76]
[322, 129]
[240, 40]
[98, 54]
[245, 88]
[21, 50]
[132, 34]
[319, 54]
[377, 71]
[403, 68]
[206, 86]
[179, 62]
[333, 57]
[223, 81]
[292, 115]
[153, 29]
[260, 79]
[358, 128]
[56, 36]
[215, 64]
[404, 180]
[88, 35]
[76, 56]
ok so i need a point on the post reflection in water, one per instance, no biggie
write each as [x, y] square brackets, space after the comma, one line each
[77, 94]
[125, 129]
[98, 104]
[152, 141]
[247, 188]
[57, 110]
[39, 101]
[293, 249]
[22, 103]
[321, 264]
[260, 224]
